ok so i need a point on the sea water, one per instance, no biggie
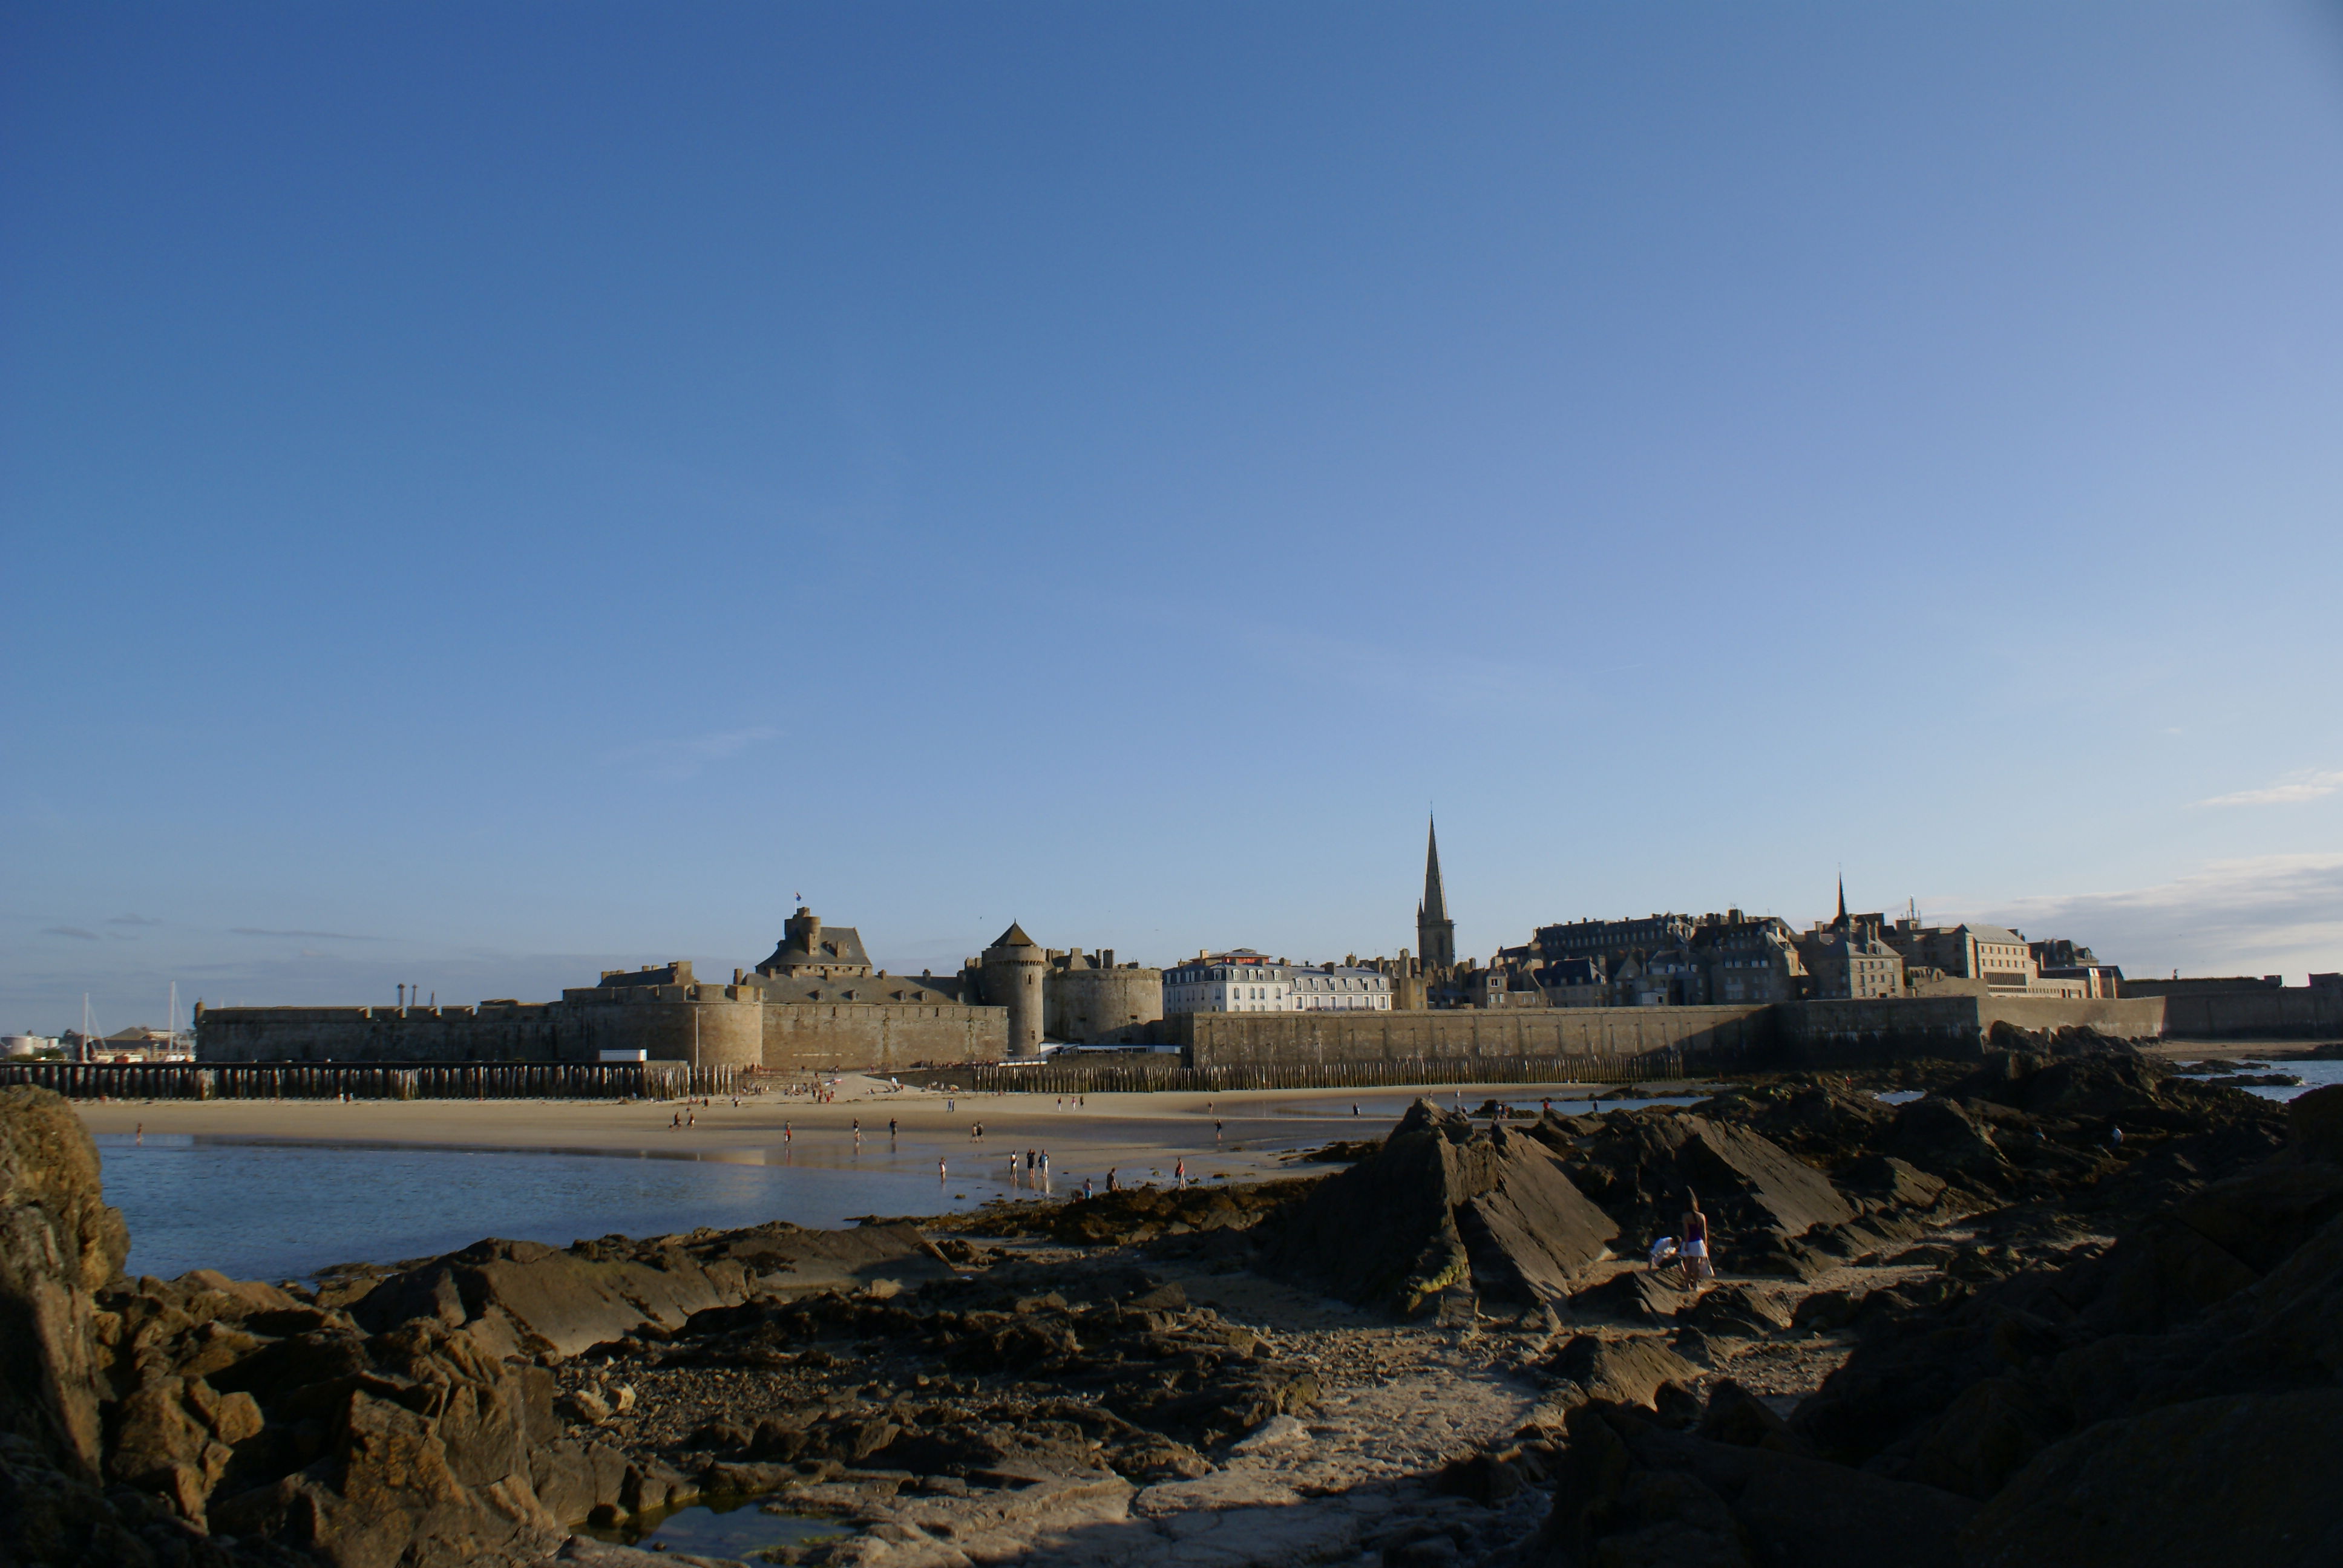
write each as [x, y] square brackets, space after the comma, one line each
[270, 1210]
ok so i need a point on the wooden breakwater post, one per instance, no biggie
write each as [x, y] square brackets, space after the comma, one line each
[1170, 1075]
[372, 1079]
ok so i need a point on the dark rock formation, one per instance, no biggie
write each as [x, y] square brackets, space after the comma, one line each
[1633, 1491]
[1643, 1166]
[1443, 1209]
[524, 1298]
[58, 1244]
[1625, 1372]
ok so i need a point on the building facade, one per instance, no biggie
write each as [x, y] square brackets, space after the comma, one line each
[1243, 980]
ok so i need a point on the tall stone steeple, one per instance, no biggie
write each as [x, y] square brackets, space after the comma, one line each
[1436, 933]
[1840, 924]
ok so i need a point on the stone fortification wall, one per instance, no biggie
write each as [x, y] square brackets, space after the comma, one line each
[2294, 1012]
[1838, 1030]
[825, 1036]
[1099, 1006]
[1210, 1039]
[1789, 1034]
[539, 1031]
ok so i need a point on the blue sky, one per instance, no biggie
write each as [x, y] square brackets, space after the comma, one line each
[493, 491]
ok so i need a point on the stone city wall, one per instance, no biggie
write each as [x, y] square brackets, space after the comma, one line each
[1788, 1033]
[736, 1029]
[2294, 1012]
[1211, 1040]
[1846, 1031]
[825, 1036]
[532, 1032]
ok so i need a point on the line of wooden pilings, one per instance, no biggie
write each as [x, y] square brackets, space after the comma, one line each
[372, 1079]
[1588, 1067]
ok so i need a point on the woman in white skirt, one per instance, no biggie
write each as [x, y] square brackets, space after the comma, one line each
[1694, 1248]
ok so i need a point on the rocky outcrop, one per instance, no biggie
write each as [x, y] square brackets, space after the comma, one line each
[1635, 1490]
[524, 1298]
[1443, 1213]
[1645, 1166]
[1625, 1370]
[58, 1244]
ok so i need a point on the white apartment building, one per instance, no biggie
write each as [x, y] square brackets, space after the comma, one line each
[1243, 981]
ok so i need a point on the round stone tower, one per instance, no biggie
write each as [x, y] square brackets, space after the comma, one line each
[1012, 969]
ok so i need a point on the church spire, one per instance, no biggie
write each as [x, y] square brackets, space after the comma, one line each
[1436, 933]
[1436, 897]
[1840, 923]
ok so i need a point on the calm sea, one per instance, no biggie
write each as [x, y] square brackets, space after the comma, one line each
[280, 1210]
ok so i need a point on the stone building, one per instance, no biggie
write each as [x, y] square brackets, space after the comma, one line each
[1850, 962]
[1993, 954]
[1243, 981]
[1661, 961]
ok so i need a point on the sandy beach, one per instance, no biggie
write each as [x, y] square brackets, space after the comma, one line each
[1234, 1136]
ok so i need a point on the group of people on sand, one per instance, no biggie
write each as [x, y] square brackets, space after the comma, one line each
[1688, 1251]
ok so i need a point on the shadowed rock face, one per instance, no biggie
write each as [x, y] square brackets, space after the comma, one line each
[1643, 1167]
[58, 1243]
[1443, 1209]
[528, 1298]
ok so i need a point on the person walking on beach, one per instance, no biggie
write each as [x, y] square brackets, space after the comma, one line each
[786, 1134]
[940, 1173]
[890, 1129]
[1181, 1174]
[1110, 1178]
[1088, 1191]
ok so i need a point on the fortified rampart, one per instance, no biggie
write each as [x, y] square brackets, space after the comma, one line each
[1842, 1032]
[1211, 1040]
[2248, 1011]
[1092, 1001]
[703, 1026]
[1754, 1034]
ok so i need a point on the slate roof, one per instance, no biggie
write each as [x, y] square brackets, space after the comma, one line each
[836, 946]
[856, 989]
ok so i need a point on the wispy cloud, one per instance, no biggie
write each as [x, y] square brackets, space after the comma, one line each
[305, 936]
[131, 920]
[2258, 915]
[74, 931]
[684, 756]
[2309, 784]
